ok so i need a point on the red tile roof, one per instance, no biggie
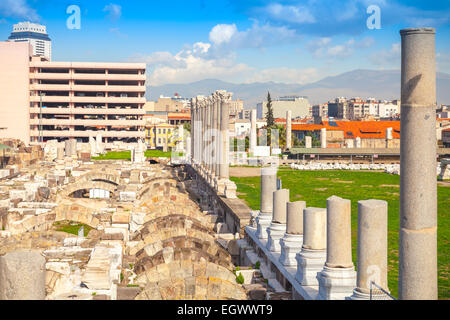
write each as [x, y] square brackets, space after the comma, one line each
[353, 129]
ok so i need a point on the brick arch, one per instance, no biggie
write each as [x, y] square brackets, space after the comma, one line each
[42, 222]
[162, 219]
[160, 184]
[173, 221]
[113, 178]
[169, 254]
[209, 246]
[88, 184]
[188, 280]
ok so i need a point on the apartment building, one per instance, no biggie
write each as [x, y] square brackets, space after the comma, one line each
[160, 136]
[46, 100]
[298, 105]
[320, 110]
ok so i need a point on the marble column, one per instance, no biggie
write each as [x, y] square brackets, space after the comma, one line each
[60, 153]
[292, 241]
[288, 130]
[357, 142]
[67, 148]
[323, 137]
[308, 142]
[372, 249]
[338, 277]
[253, 134]
[388, 137]
[418, 186]
[218, 141]
[224, 146]
[277, 228]
[214, 138]
[268, 186]
[313, 255]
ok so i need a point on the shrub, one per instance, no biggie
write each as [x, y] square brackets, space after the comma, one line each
[257, 264]
[240, 278]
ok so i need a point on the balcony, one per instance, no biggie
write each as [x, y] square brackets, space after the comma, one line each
[84, 99]
[88, 133]
[122, 111]
[88, 122]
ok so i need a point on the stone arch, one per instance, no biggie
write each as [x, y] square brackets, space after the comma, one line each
[158, 184]
[189, 280]
[169, 254]
[173, 221]
[77, 213]
[42, 222]
[88, 184]
[208, 246]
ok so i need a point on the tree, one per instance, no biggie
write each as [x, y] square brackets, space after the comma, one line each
[269, 113]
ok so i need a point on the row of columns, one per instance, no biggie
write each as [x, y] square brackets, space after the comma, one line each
[210, 140]
[318, 241]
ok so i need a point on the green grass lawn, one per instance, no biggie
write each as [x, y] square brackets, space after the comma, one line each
[71, 227]
[315, 187]
[126, 155]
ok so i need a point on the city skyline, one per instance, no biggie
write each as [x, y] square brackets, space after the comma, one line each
[284, 41]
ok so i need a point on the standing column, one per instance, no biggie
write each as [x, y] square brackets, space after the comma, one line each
[218, 142]
[291, 243]
[252, 131]
[208, 137]
[372, 249]
[308, 142]
[418, 186]
[278, 226]
[224, 121]
[323, 137]
[214, 138]
[312, 257]
[268, 186]
[288, 130]
[338, 277]
[191, 140]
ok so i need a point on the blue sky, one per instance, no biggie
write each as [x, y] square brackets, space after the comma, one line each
[289, 41]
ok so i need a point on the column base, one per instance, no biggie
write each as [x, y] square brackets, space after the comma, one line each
[358, 295]
[336, 283]
[274, 233]
[230, 190]
[219, 185]
[291, 244]
[309, 263]
[262, 223]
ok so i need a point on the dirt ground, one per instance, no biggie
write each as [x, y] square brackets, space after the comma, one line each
[244, 172]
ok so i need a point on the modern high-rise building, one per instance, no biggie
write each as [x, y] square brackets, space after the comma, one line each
[43, 100]
[36, 35]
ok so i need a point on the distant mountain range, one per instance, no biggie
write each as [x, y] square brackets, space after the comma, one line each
[378, 84]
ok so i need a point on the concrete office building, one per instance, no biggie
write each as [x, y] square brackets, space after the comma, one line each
[78, 99]
[36, 35]
[299, 106]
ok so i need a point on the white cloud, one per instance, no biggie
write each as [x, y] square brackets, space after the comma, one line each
[292, 14]
[387, 58]
[227, 36]
[114, 11]
[322, 48]
[18, 9]
[222, 33]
